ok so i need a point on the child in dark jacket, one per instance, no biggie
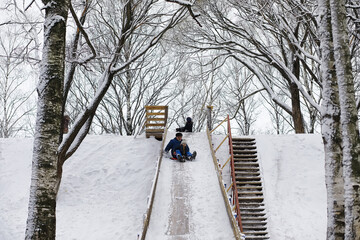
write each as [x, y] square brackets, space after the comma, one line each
[179, 149]
[188, 126]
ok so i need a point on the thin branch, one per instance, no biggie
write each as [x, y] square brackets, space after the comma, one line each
[188, 5]
[81, 28]
[244, 98]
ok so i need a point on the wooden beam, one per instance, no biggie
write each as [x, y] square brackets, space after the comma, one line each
[155, 125]
[159, 130]
[154, 113]
[156, 107]
[156, 119]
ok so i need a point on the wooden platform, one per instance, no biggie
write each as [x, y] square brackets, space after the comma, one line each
[156, 120]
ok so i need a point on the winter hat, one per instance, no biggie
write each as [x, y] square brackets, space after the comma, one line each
[188, 119]
[183, 142]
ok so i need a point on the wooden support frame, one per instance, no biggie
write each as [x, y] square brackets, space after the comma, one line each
[156, 120]
[234, 223]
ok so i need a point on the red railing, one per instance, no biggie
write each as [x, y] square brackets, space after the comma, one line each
[235, 191]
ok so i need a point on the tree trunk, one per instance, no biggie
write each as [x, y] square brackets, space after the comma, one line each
[349, 119]
[296, 109]
[129, 127]
[41, 222]
[331, 131]
[294, 90]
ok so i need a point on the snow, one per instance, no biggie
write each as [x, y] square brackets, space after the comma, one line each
[104, 189]
[189, 195]
[15, 175]
[106, 184]
[293, 171]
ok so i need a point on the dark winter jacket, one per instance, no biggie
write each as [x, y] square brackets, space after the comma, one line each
[188, 127]
[173, 145]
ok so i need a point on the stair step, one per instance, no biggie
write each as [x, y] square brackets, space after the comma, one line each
[243, 214]
[239, 156]
[256, 233]
[254, 219]
[245, 159]
[250, 193]
[241, 178]
[246, 164]
[245, 173]
[243, 147]
[253, 223]
[251, 199]
[243, 139]
[247, 228]
[249, 152]
[243, 144]
[252, 205]
[249, 181]
[255, 209]
[249, 187]
[257, 237]
[247, 169]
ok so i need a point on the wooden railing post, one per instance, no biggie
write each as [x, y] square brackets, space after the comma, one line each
[209, 117]
[235, 191]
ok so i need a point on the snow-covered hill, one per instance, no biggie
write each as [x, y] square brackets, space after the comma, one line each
[103, 194]
[106, 183]
[293, 170]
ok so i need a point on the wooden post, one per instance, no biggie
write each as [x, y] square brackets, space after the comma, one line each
[209, 117]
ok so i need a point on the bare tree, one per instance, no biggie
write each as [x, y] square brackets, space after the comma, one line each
[51, 150]
[13, 95]
[278, 38]
[19, 47]
[239, 96]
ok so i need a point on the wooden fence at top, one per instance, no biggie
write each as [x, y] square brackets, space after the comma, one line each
[156, 120]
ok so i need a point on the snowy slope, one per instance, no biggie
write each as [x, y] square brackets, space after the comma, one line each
[103, 194]
[106, 183]
[188, 202]
[294, 178]
[292, 168]
[15, 174]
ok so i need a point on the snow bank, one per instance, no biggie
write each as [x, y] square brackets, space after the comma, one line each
[103, 194]
[15, 175]
[293, 171]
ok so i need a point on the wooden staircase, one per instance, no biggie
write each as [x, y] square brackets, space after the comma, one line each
[250, 190]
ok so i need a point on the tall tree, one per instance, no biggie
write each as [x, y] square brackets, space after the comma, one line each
[41, 217]
[349, 119]
[330, 128]
[340, 123]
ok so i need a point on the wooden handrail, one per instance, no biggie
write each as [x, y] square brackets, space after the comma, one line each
[233, 177]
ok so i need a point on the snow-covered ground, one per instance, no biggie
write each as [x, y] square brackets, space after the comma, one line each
[103, 194]
[106, 183]
[293, 170]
